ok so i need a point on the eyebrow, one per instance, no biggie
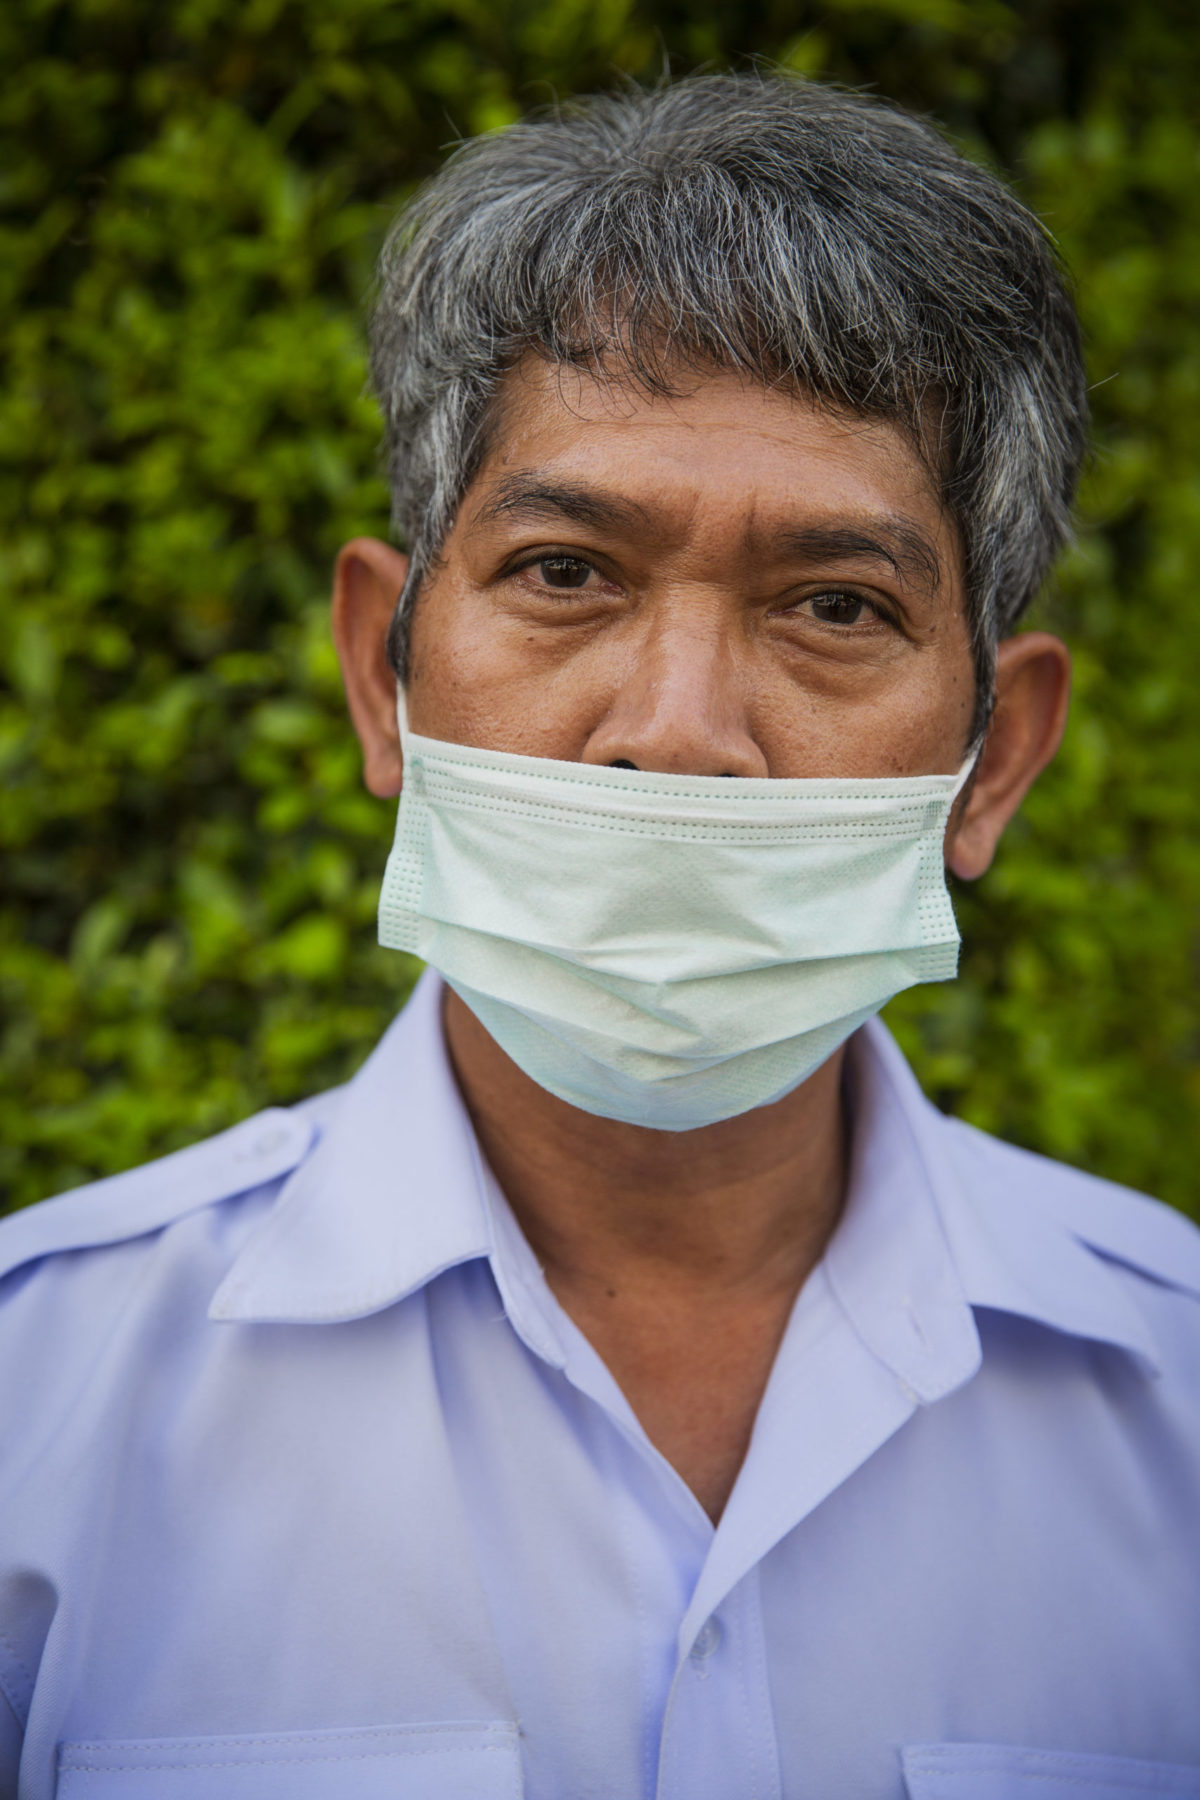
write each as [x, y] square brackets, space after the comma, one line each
[537, 501]
[900, 543]
[891, 539]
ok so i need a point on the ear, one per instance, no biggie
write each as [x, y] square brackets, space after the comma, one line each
[367, 581]
[1033, 688]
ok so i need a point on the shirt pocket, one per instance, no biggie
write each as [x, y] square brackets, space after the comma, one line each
[1007, 1772]
[388, 1762]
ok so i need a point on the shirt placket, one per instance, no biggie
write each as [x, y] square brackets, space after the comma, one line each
[719, 1726]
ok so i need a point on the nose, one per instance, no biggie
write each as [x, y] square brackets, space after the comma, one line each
[680, 710]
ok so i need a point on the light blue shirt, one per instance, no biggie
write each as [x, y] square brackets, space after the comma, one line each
[310, 1489]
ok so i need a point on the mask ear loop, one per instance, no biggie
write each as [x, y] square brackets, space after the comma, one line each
[401, 713]
[965, 773]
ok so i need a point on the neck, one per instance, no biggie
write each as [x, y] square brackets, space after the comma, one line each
[744, 1204]
[677, 1254]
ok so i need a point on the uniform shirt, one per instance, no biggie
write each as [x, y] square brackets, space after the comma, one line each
[310, 1489]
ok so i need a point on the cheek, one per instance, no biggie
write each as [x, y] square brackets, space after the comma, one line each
[481, 678]
[440, 679]
[934, 711]
[906, 716]
[444, 678]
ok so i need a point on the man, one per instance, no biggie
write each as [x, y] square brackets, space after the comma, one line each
[628, 1385]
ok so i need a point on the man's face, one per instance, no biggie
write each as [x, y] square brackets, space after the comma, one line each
[727, 582]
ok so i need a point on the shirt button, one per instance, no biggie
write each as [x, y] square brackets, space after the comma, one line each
[263, 1146]
[707, 1639]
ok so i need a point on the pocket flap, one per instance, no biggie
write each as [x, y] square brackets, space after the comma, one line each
[1007, 1772]
[387, 1762]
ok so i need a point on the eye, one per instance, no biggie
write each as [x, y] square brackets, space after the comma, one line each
[564, 571]
[839, 608]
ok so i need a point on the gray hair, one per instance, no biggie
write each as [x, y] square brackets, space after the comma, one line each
[803, 235]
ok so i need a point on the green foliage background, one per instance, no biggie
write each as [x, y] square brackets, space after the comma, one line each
[191, 195]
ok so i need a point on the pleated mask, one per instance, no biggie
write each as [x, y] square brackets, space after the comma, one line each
[669, 950]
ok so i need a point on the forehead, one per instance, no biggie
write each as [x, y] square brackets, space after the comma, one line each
[721, 446]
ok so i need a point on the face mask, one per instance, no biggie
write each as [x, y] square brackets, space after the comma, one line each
[666, 949]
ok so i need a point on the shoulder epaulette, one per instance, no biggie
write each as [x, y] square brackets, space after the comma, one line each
[1115, 1221]
[248, 1155]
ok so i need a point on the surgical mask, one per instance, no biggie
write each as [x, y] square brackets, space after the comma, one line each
[669, 950]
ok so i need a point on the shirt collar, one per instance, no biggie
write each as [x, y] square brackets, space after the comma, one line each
[1003, 1246]
[889, 1263]
[387, 1200]
[395, 1193]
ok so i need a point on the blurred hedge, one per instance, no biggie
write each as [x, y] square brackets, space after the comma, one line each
[191, 194]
